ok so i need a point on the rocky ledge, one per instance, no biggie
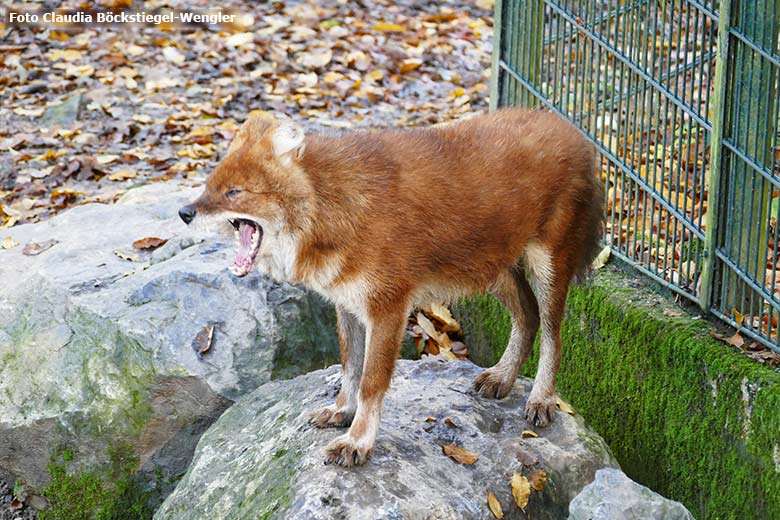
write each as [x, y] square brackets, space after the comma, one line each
[261, 459]
[97, 338]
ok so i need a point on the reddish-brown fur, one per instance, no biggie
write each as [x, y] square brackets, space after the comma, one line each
[447, 210]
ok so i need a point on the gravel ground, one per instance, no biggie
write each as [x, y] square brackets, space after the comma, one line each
[6, 513]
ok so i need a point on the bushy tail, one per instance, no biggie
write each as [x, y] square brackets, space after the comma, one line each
[592, 223]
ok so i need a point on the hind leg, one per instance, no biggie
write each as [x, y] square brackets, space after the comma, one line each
[550, 279]
[514, 293]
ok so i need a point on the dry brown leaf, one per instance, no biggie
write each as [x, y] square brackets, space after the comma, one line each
[202, 342]
[430, 419]
[521, 490]
[529, 434]
[149, 243]
[495, 505]
[449, 422]
[34, 249]
[736, 340]
[564, 406]
[459, 454]
[537, 478]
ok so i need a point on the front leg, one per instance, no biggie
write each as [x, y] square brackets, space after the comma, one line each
[383, 344]
[352, 344]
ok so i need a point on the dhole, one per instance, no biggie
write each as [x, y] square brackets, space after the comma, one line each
[381, 221]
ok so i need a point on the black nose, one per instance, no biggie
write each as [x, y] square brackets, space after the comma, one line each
[187, 213]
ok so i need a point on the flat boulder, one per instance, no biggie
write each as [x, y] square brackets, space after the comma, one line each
[102, 343]
[614, 496]
[261, 459]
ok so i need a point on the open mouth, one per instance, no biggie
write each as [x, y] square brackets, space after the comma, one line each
[249, 236]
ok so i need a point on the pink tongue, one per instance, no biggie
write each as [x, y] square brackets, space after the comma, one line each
[243, 259]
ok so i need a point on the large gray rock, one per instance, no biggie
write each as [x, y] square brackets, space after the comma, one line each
[261, 460]
[96, 350]
[614, 496]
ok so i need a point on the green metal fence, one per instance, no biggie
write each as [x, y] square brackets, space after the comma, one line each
[681, 99]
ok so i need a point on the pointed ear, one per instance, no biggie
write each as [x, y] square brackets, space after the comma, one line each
[287, 140]
[252, 130]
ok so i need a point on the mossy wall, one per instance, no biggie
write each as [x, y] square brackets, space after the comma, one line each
[684, 414]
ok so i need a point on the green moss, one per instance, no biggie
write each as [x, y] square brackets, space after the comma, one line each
[684, 414]
[110, 494]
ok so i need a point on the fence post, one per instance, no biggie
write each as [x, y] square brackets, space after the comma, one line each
[716, 154]
[496, 74]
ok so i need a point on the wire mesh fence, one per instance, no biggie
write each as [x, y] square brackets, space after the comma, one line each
[680, 97]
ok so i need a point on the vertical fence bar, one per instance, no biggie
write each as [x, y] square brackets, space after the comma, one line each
[496, 74]
[716, 155]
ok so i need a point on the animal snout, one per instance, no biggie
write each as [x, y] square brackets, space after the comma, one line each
[187, 213]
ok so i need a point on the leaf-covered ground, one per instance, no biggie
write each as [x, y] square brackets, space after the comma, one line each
[89, 112]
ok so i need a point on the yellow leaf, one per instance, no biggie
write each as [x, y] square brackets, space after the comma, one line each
[495, 505]
[564, 406]
[389, 27]
[521, 490]
[537, 478]
[460, 91]
[123, 175]
[9, 243]
[442, 314]
[738, 317]
[64, 54]
[529, 434]
[410, 64]
[459, 454]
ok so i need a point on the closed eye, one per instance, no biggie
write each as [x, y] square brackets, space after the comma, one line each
[232, 193]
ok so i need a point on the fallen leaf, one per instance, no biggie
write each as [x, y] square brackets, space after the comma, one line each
[459, 454]
[521, 490]
[738, 317]
[430, 419]
[239, 39]
[529, 434]
[672, 314]
[123, 175]
[149, 243]
[15, 504]
[537, 478]
[106, 158]
[389, 27]
[64, 54]
[173, 55]
[736, 340]
[495, 505]
[602, 258]
[34, 249]
[9, 243]
[449, 422]
[442, 314]
[202, 342]
[128, 255]
[409, 65]
[564, 406]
